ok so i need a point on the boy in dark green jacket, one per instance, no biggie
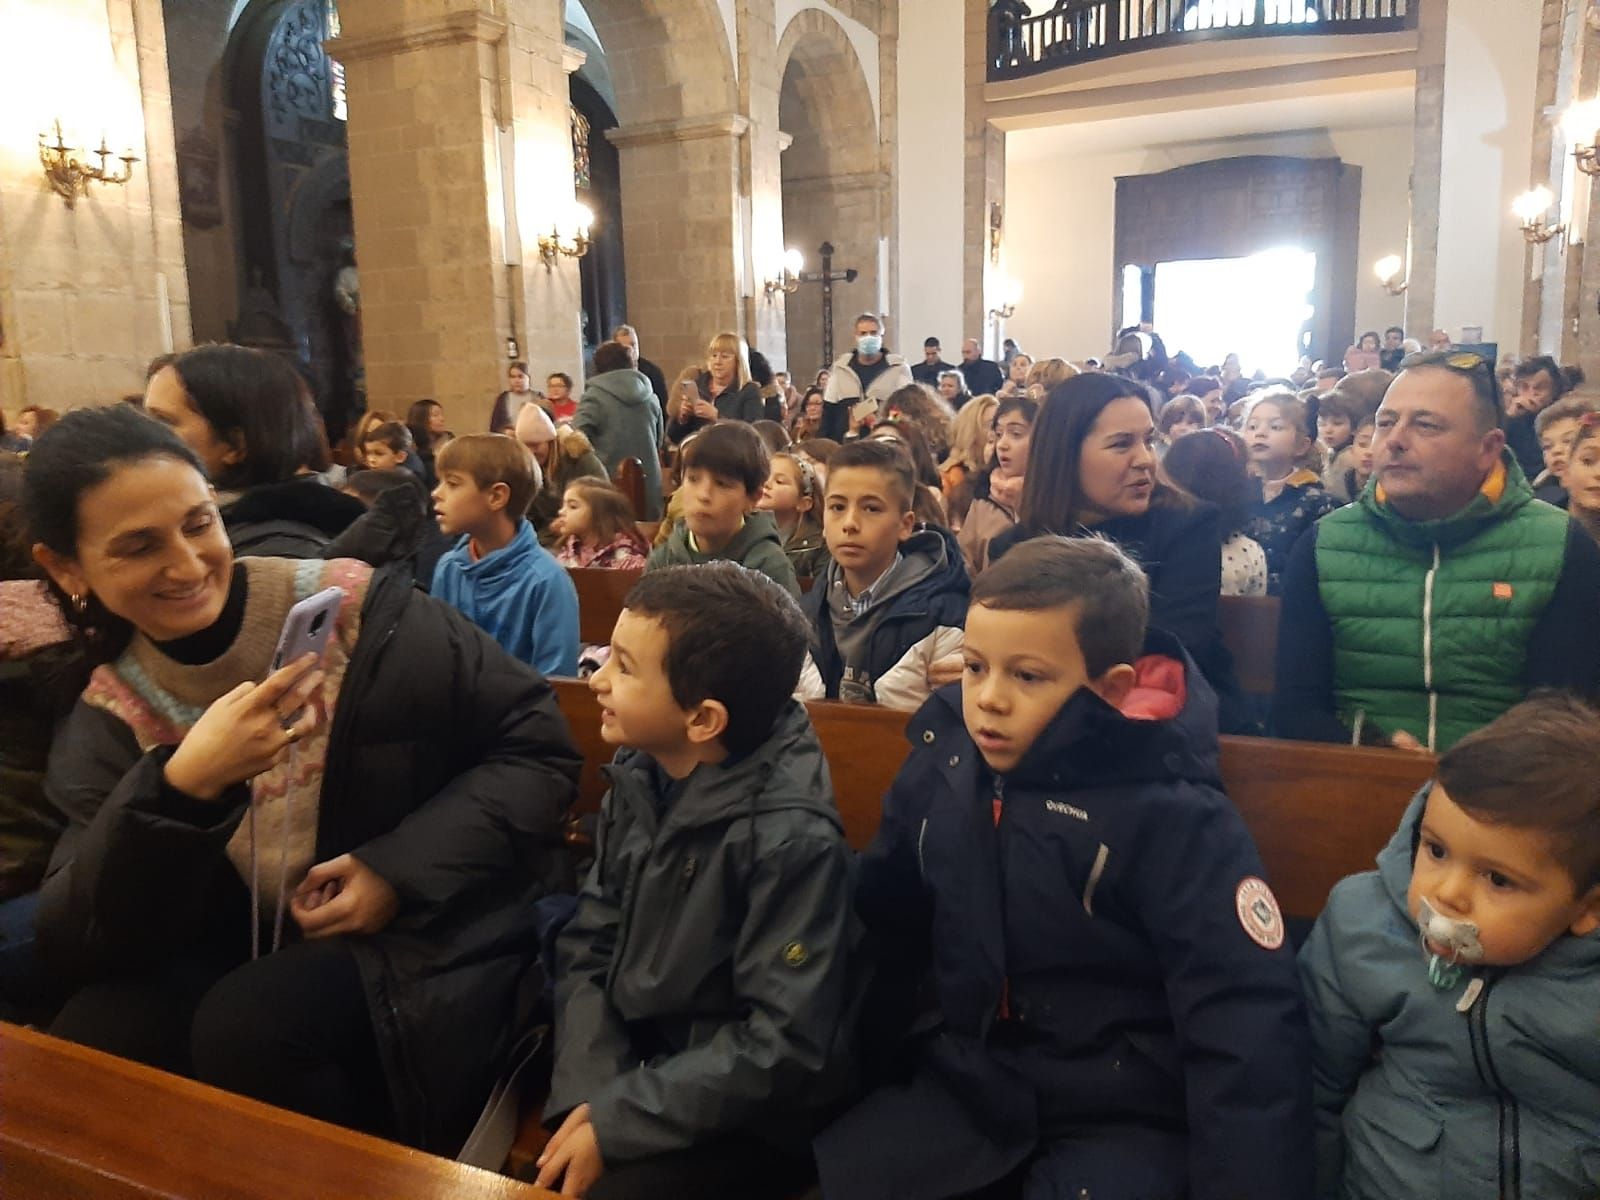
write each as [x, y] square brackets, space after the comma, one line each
[724, 473]
[703, 991]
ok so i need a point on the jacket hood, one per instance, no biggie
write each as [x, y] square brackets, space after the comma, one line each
[625, 387]
[758, 527]
[787, 772]
[305, 500]
[931, 563]
[1091, 744]
[1502, 495]
[511, 560]
[572, 443]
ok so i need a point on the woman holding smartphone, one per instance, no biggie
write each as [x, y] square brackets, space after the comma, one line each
[393, 828]
[724, 391]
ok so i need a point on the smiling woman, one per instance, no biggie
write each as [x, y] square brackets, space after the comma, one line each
[188, 761]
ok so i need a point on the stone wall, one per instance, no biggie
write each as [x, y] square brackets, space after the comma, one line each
[87, 294]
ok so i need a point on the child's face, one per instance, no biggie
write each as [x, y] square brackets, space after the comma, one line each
[714, 506]
[1272, 439]
[1020, 668]
[573, 520]
[1504, 880]
[636, 704]
[1012, 435]
[782, 493]
[864, 521]
[1333, 430]
[1555, 442]
[380, 457]
[1583, 476]
[1182, 427]
[1215, 408]
[1364, 451]
[461, 506]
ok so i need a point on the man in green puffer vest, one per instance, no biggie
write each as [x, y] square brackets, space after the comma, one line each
[1445, 593]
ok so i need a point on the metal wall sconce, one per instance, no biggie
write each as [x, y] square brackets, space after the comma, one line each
[1580, 124]
[1388, 270]
[789, 282]
[1530, 208]
[997, 229]
[571, 241]
[1010, 297]
[70, 178]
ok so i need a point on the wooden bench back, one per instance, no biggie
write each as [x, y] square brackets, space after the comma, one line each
[1318, 813]
[600, 595]
[630, 481]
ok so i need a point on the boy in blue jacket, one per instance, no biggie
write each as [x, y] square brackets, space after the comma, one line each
[1453, 991]
[498, 576]
[1109, 1007]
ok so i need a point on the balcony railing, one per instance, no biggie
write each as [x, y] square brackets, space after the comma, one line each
[1077, 31]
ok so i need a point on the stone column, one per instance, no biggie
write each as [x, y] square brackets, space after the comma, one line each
[764, 320]
[436, 215]
[1427, 167]
[91, 293]
[680, 202]
[985, 186]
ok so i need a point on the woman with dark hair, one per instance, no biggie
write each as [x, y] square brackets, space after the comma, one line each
[1092, 472]
[519, 390]
[1209, 465]
[248, 418]
[425, 419]
[403, 822]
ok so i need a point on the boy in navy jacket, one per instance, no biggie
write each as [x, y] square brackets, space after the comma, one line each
[1110, 1006]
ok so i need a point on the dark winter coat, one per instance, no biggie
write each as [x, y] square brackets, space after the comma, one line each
[736, 403]
[621, 418]
[899, 623]
[758, 546]
[1110, 983]
[293, 519]
[704, 986]
[453, 789]
[1277, 524]
[1180, 548]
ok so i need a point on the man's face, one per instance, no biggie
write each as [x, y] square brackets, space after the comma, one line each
[1438, 340]
[930, 354]
[1392, 339]
[1428, 451]
[624, 339]
[969, 351]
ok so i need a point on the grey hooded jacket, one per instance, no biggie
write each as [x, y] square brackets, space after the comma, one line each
[1489, 1089]
[705, 983]
[621, 416]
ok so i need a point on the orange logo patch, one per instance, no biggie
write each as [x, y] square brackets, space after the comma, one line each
[1503, 591]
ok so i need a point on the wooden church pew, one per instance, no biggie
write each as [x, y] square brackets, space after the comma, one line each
[1317, 812]
[76, 1124]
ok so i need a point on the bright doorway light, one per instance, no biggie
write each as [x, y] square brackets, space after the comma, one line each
[1254, 307]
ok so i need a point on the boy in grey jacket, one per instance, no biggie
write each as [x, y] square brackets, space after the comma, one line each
[703, 995]
[1453, 991]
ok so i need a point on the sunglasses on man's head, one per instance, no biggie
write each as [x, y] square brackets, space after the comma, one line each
[1464, 361]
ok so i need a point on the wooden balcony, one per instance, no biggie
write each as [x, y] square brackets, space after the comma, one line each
[1081, 31]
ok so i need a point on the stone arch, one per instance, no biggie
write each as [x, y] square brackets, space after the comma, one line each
[834, 186]
[670, 59]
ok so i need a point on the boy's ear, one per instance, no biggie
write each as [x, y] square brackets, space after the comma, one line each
[1589, 913]
[1113, 687]
[498, 496]
[708, 721]
[908, 524]
[402, 456]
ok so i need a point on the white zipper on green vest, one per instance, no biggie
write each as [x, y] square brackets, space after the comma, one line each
[1427, 648]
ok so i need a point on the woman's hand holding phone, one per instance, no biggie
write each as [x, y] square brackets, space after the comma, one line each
[242, 734]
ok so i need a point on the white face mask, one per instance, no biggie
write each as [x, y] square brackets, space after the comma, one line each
[1459, 939]
[868, 344]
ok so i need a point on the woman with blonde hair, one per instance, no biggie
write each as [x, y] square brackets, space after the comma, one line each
[723, 391]
[971, 438]
[1046, 374]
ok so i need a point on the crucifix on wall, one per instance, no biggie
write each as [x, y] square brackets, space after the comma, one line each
[827, 277]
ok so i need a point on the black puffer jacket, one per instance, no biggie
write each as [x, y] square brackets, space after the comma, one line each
[705, 983]
[293, 519]
[453, 789]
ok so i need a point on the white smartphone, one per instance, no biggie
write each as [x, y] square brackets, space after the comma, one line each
[308, 627]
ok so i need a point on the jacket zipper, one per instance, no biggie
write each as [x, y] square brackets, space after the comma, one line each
[1427, 649]
[1510, 1116]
